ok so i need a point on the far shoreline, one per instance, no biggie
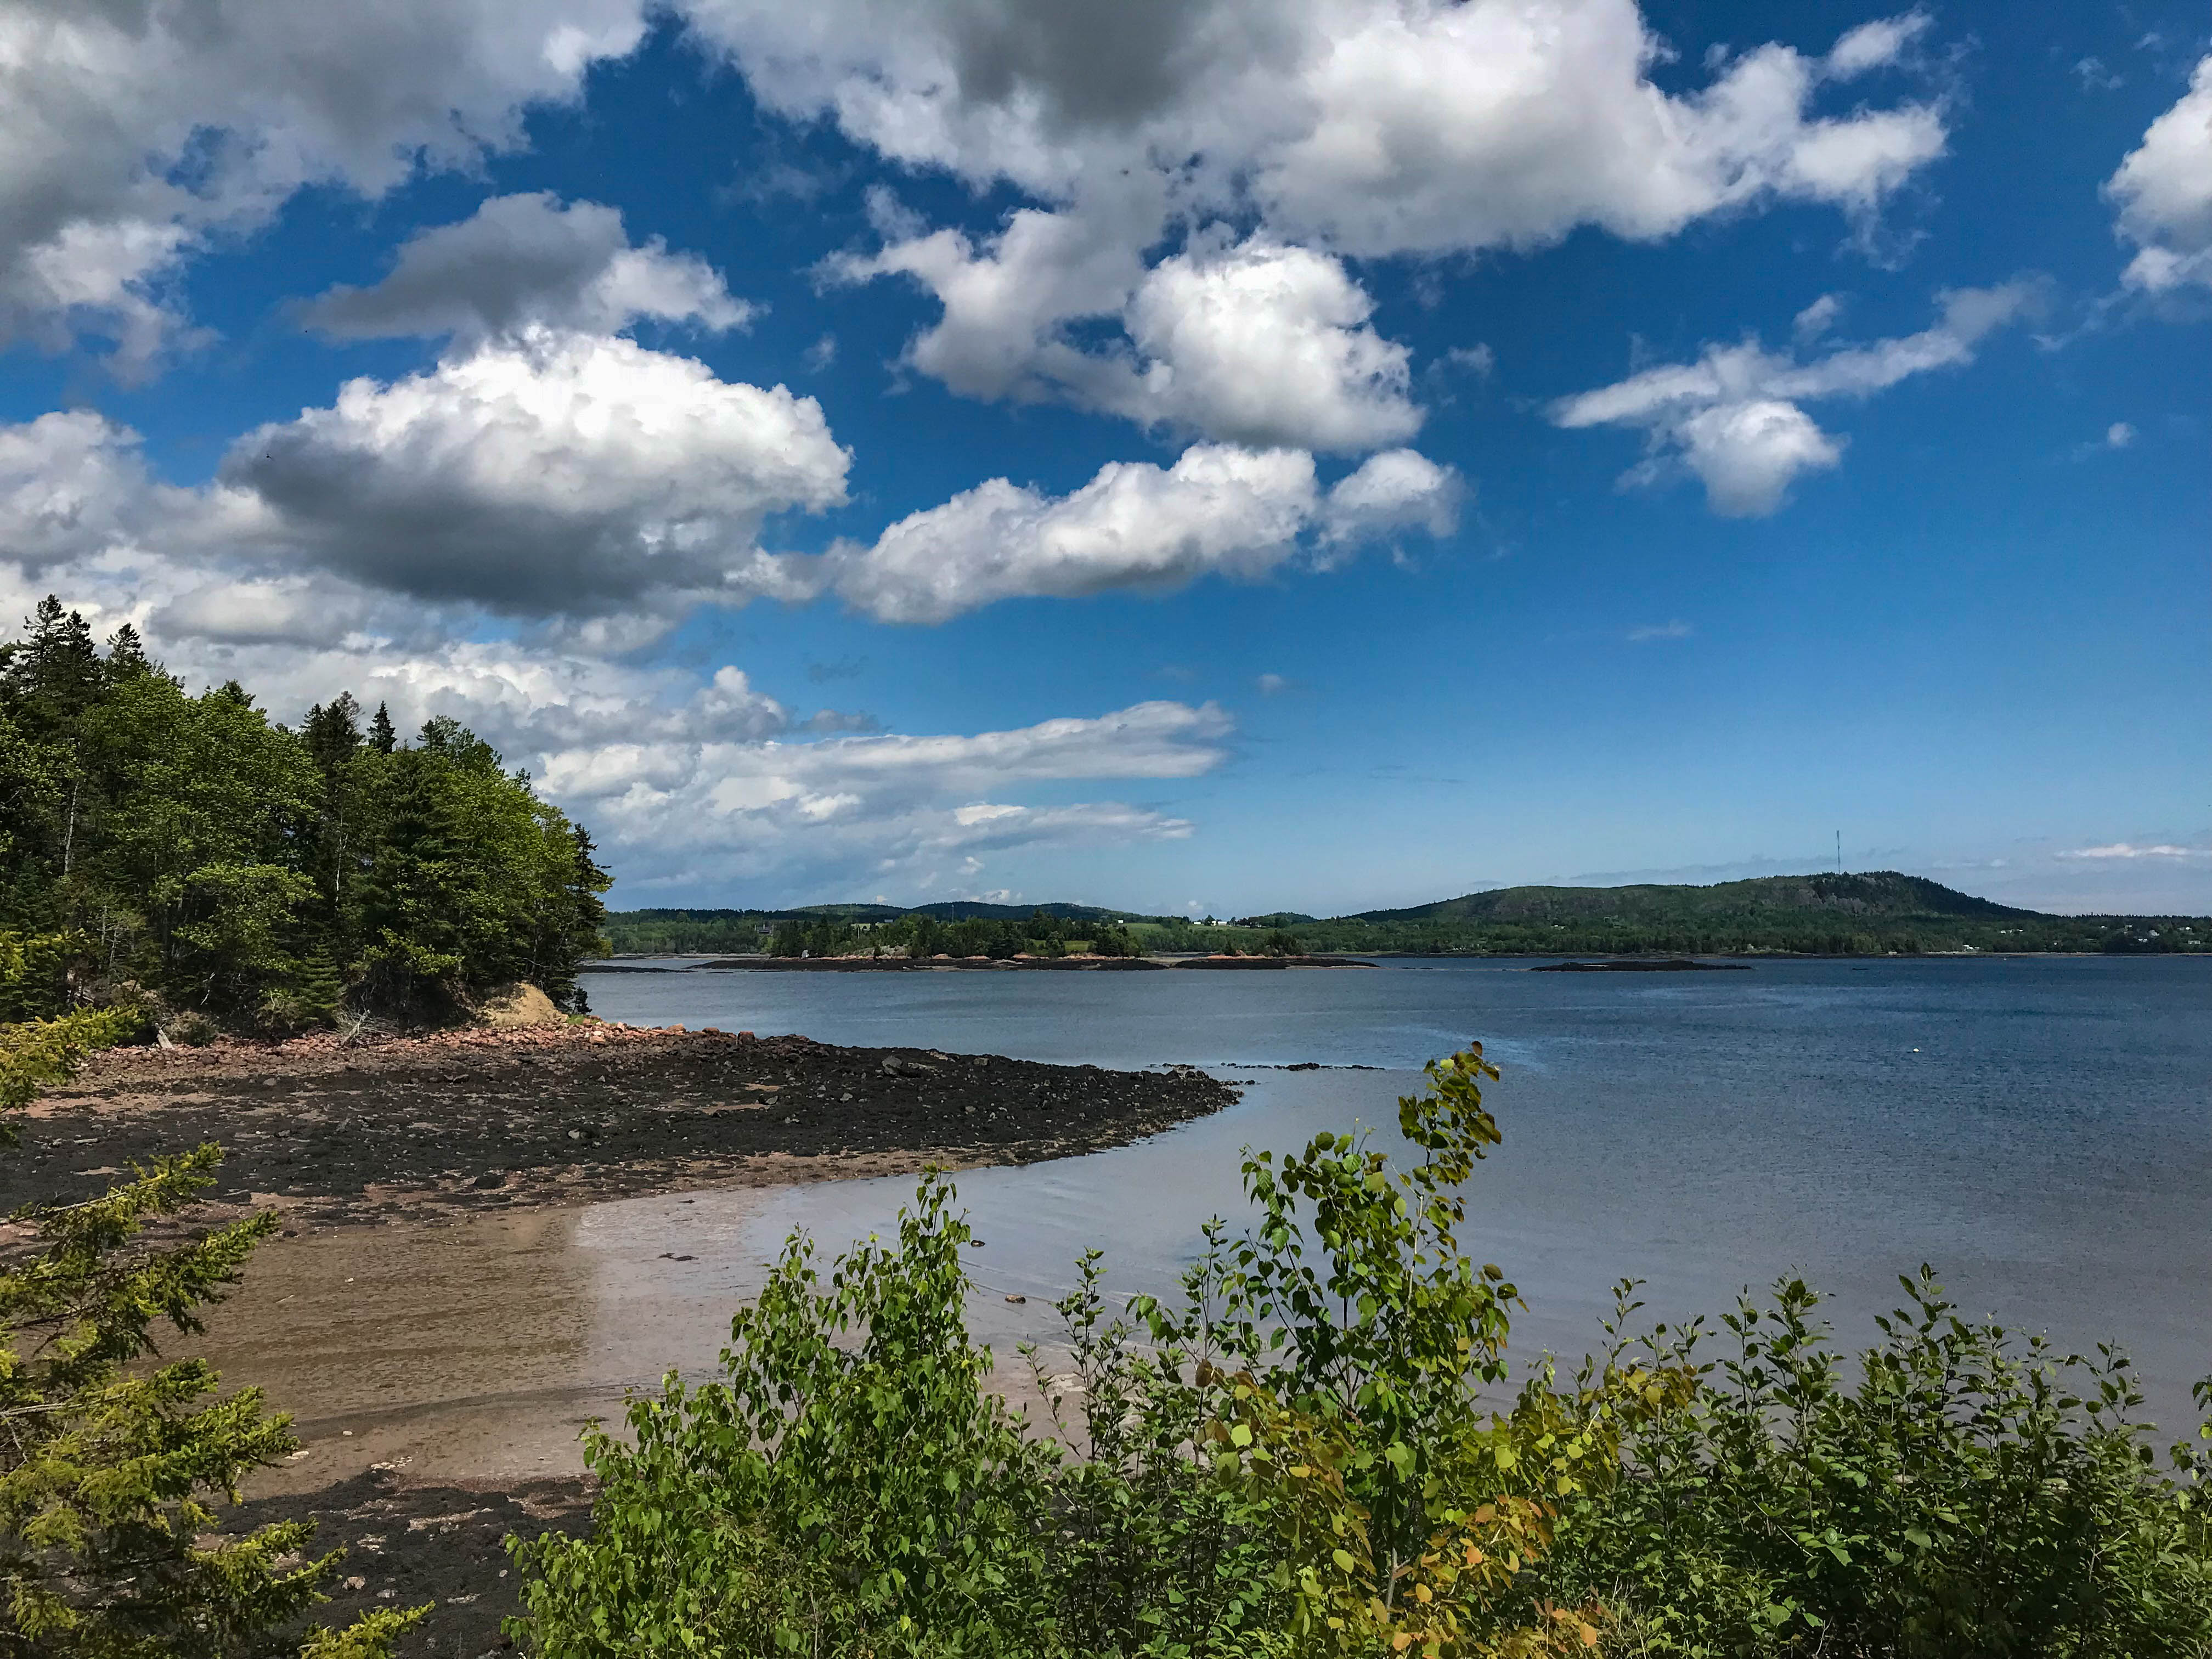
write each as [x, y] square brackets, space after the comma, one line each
[748, 962]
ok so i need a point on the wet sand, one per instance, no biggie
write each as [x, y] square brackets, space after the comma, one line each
[490, 1236]
[441, 1375]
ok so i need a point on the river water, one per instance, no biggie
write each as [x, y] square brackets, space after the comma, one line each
[2039, 1129]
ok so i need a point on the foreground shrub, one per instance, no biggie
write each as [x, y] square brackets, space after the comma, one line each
[1298, 1456]
[1293, 1458]
[1952, 1491]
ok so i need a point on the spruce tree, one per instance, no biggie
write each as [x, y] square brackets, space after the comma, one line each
[332, 730]
[117, 1461]
[126, 653]
[383, 737]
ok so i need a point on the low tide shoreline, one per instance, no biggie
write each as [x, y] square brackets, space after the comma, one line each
[347, 1141]
[468, 1121]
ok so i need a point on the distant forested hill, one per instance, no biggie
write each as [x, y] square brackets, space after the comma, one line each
[1884, 893]
[1872, 913]
[1876, 914]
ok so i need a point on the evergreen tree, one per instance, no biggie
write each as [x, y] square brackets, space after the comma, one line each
[196, 850]
[116, 1460]
[332, 732]
[54, 674]
[126, 653]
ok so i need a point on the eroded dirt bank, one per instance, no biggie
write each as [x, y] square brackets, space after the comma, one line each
[490, 1120]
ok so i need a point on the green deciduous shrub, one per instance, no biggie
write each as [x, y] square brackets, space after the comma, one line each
[1292, 1456]
[1950, 1490]
[1313, 1450]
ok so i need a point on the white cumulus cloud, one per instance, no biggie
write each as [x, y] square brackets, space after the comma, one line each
[130, 135]
[1328, 128]
[1734, 417]
[548, 472]
[1257, 343]
[710, 809]
[529, 260]
[2164, 192]
[1219, 510]
[686, 779]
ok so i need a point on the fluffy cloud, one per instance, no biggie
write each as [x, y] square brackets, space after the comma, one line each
[528, 259]
[1396, 490]
[689, 781]
[685, 780]
[1734, 417]
[2164, 193]
[891, 803]
[1341, 127]
[1434, 127]
[1876, 45]
[1219, 510]
[599, 490]
[72, 483]
[130, 134]
[548, 472]
[1383, 126]
[1257, 343]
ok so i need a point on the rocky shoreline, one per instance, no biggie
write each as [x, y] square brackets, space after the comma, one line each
[433, 1127]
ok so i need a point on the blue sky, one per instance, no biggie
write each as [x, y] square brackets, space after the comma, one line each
[1210, 456]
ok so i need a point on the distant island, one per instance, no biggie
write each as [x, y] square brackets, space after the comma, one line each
[1881, 913]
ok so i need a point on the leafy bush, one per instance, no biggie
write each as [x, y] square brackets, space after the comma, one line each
[1294, 1457]
[846, 1486]
[1953, 1492]
[1294, 1460]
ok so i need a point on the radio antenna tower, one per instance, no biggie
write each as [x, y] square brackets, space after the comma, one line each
[1839, 852]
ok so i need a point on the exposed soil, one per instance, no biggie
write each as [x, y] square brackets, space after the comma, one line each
[485, 1120]
[407, 1543]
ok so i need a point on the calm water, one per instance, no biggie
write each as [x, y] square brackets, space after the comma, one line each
[2040, 1130]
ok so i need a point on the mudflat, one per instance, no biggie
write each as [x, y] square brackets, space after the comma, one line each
[471, 1122]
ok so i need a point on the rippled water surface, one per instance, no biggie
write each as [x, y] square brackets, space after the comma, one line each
[2039, 1129]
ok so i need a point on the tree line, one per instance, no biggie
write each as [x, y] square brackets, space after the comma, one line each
[219, 868]
[918, 936]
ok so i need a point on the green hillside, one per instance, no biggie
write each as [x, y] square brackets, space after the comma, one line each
[702, 933]
[1877, 913]
[1881, 894]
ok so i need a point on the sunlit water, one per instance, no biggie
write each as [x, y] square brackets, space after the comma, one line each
[2040, 1130]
